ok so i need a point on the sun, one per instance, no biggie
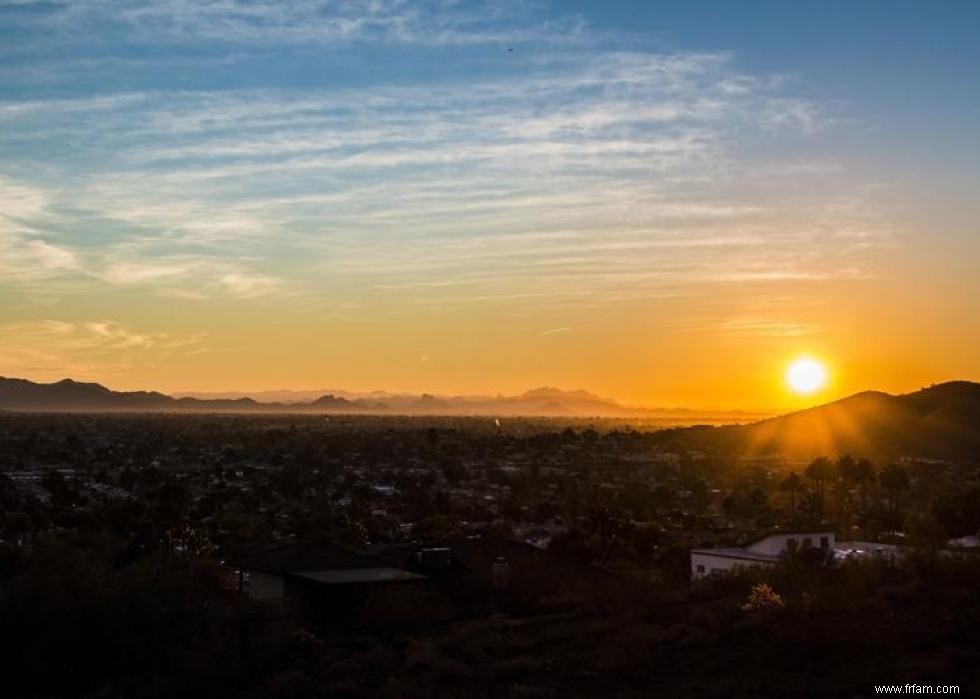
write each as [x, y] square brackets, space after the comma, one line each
[806, 376]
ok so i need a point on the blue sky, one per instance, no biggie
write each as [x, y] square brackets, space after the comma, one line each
[512, 169]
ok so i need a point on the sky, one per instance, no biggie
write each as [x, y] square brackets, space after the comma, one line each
[662, 202]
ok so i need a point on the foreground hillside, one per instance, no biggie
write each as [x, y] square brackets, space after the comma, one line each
[168, 629]
[113, 528]
[942, 421]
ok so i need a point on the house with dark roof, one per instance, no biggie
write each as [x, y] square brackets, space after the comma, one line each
[325, 581]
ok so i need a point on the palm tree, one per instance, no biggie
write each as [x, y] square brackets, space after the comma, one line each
[894, 480]
[728, 506]
[820, 471]
[792, 484]
[863, 474]
[842, 510]
[844, 471]
[845, 467]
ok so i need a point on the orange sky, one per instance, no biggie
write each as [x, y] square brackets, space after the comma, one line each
[726, 346]
[666, 225]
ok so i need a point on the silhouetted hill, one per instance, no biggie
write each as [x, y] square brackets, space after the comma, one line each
[332, 403]
[235, 404]
[69, 395]
[549, 393]
[20, 394]
[75, 396]
[940, 421]
[428, 403]
[554, 401]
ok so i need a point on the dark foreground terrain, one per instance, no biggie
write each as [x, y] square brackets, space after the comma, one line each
[117, 531]
[74, 626]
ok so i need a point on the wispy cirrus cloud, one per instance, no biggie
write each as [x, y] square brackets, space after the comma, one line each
[25, 255]
[54, 349]
[321, 22]
[28, 220]
[598, 174]
[554, 331]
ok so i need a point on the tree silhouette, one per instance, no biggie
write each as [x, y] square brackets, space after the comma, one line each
[845, 467]
[820, 471]
[61, 491]
[728, 506]
[792, 484]
[842, 510]
[863, 474]
[843, 479]
[895, 480]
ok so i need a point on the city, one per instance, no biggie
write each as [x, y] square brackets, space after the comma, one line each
[494, 349]
[292, 523]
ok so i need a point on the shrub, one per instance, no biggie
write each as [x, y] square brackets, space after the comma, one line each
[762, 598]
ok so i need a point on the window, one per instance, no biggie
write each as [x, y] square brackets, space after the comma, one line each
[701, 569]
[791, 545]
[807, 543]
[824, 542]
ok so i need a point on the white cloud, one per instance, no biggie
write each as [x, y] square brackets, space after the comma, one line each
[20, 202]
[608, 174]
[54, 349]
[554, 331]
[187, 277]
[49, 256]
[322, 22]
[24, 256]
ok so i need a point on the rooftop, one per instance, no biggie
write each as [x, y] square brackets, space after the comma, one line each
[738, 552]
[816, 531]
[358, 575]
[310, 556]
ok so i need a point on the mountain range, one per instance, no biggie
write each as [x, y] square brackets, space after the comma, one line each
[74, 396]
[942, 420]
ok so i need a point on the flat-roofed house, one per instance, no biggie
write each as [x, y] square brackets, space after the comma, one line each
[766, 551]
[325, 582]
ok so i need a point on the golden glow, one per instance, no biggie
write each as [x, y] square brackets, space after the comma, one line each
[806, 376]
[637, 229]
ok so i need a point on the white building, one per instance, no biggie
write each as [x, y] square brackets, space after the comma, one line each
[761, 552]
[965, 542]
[845, 550]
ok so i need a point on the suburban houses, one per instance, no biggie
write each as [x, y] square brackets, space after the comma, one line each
[766, 551]
[775, 546]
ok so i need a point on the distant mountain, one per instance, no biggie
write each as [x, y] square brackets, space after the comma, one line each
[20, 394]
[74, 396]
[428, 403]
[283, 396]
[330, 401]
[549, 393]
[68, 395]
[940, 421]
[545, 401]
[333, 403]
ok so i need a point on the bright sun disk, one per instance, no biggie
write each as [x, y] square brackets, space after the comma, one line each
[806, 376]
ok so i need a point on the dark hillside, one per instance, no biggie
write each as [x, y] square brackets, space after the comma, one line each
[942, 421]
